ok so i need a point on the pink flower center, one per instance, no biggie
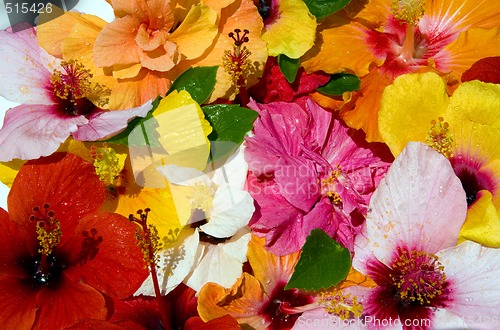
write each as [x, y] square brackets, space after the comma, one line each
[472, 176]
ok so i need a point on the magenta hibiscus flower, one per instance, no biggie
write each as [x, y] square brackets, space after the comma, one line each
[308, 170]
[56, 101]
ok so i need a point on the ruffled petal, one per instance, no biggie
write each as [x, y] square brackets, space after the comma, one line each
[23, 79]
[104, 252]
[474, 273]
[32, 131]
[64, 181]
[196, 32]
[398, 119]
[469, 47]
[71, 302]
[420, 203]
[18, 304]
[103, 124]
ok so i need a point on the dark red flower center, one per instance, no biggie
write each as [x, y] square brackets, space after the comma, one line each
[280, 308]
[414, 282]
[472, 177]
[72, 89]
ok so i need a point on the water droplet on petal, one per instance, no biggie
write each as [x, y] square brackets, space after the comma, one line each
[87, 43]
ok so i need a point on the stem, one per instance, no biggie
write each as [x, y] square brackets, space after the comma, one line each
[409, 43]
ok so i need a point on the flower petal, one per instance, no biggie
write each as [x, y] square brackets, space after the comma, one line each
[398, 122]
[104, 252]
[32, 131]
[474, 273]
[103, 124]
[420, 203]
[18, 304]
[23, 79]
[282, 35]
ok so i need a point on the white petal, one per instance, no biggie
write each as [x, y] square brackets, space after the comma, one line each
[237, 246]
[233, 172]
[218, 265]
[446, 320]
[474, 273]
[175, 264]
[420, 203]
[184, 176]
[232, 210]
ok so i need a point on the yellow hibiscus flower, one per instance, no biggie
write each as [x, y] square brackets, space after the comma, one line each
[464, 127]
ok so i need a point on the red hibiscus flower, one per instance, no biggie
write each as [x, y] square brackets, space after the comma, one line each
[59, 255]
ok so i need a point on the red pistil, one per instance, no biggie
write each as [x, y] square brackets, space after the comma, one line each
[237, 63]
[148, 241]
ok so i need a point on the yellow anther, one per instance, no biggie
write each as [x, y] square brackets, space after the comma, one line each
[202, 197]
[49, 235]
[107, 163]
[410, 11]
[342, 305]
[439, 137]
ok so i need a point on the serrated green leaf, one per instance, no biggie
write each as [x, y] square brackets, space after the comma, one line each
[230, 123]
[340, 83]
[324, 8]
[147, 123]
[199, 82]
[289, 67]
[323, 263]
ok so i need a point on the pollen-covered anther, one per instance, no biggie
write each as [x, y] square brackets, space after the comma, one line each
[48, 228]
[420, 277]
[328, 186]
[108, 163]
[439, 137]
[343, 305]
[147, 237]
[236, 62]
[410, 11]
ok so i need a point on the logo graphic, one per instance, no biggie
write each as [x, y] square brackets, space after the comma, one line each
[23, 14]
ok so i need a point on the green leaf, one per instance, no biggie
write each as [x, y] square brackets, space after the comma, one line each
[147, 125]
[289, 67]
[199, 82]
[324, 8]
[323, 263]
[230, 123]
[340, 83]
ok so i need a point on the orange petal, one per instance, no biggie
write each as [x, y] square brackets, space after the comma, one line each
[470, 46]
[356, 278]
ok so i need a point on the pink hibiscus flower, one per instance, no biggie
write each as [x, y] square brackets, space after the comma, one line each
[408, 247]
[56, 101]
[308, 170]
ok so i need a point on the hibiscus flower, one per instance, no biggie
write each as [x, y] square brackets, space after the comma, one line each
[60, 256]
[408, 247]
[308, 171]
[56, 102]
[464, 127]
[381, 39]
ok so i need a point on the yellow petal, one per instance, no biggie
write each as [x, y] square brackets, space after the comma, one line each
[482, 224]
[407, 108]
[197, 32]
[8, 171]
[474, 118]
[470, 46]
[283, 36]
[181, 134]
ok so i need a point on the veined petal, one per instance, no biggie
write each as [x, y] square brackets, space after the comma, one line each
[474, 272]
[23, 78]
[32, 131]
[342, 46]
[197, 32]
[103, 124]
[420, 202]
[283, 36]
[18, 304]
[407, 108]
[470, 46]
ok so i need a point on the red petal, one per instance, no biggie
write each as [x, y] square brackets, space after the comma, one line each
[113, 263]
[18, 304]
[486, 70]
[70, 302]
[226, 322]
[65, 181]
[12, 249]
[139, 311]
[98, 325]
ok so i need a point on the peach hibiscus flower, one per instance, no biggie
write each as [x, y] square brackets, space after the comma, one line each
[150, 43]
[379, 40]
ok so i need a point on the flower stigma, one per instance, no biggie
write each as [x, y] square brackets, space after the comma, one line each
[343, 305]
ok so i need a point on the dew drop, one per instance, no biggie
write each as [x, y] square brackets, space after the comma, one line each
[87, 43]
[23, 89]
